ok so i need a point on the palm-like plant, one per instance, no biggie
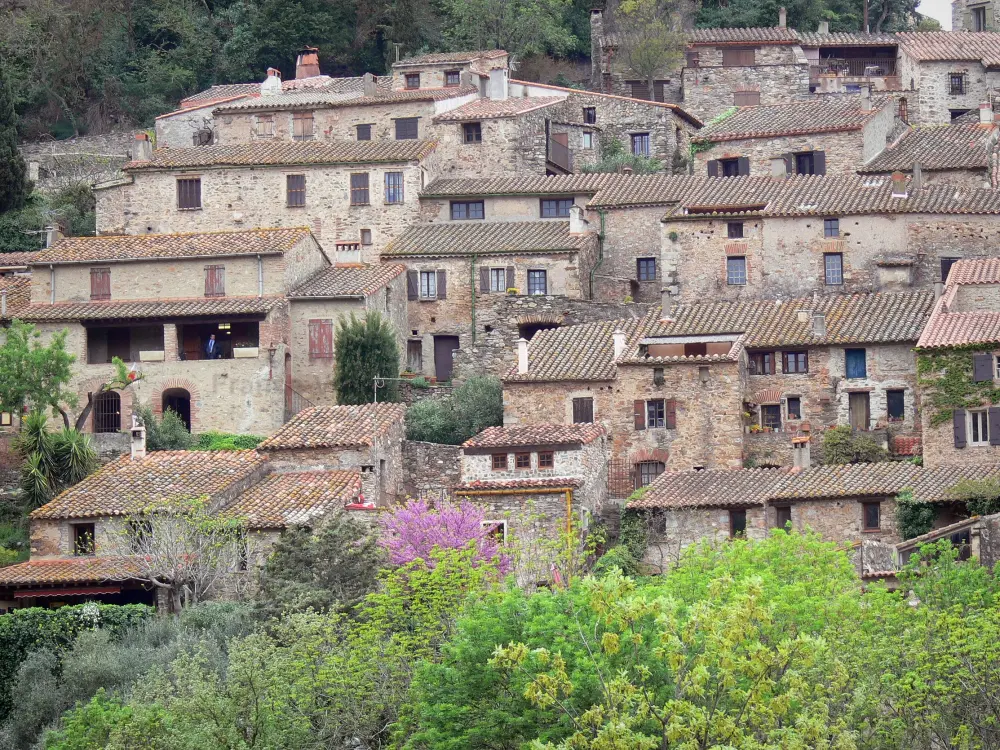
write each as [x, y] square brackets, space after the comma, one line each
[52, 461]
[35, 481]
[74, 456]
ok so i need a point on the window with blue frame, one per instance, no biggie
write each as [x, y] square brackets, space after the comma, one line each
[856, 364]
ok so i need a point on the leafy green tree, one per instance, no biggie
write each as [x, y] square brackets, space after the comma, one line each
[365, 349]
[226, 441]
[650, 37]
[913, 517]
[167, 433]
[14, 185]
[522, 27]
[33, 374]
[842, 445]
[472, 407]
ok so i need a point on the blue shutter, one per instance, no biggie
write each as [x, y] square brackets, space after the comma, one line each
[855, 361]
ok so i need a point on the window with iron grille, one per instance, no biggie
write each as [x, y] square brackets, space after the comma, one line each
[264, 126]
[736, 270]
[189, 192]
[364, 132]
[428, 285]
[522, 461]
[956, 83]
[537, 282]
[583, 410]
[406, 129]
[295, 190]
[461, 210]
[645, 269]
[499, 462]
[762, 363]
[794, 362]
[734, 230]
[738, 57]
[746, 98]
[831, 227]
[100, 283]
[770, 416]
[302, 126]
[656, 413]
[393, 187]
[320, 339]
[359, 189]
[412, 80]
[556, 208]
[452, 78]
[640, 144]
[546, 459]
[590, 115]
[833, 268]
[107, 412]
[647, 471]
[472, 132]
[215, 281]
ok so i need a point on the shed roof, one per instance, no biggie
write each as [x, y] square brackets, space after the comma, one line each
[346, 426]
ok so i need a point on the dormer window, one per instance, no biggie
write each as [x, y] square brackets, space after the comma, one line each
[412, 80]
[452, 78]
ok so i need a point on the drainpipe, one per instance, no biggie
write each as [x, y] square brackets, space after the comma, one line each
[600, 253]
[52, 284]
[472, 287]
[260, 276]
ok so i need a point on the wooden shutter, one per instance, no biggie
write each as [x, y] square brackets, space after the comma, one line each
[406, 128]
[713, 168]
[671, 414]
[442, 284]
[100, 283]
[321, 339]
[639, 89]
[295, 189]
[511, 282]
[789, 163]
[819, 162]
[639, 414]
[359, 189]
[484, 279]
[215, 281]
[189, 192]
[412, 285]
[743, 164]
[982, 367]
[994, 418]
[958, 427]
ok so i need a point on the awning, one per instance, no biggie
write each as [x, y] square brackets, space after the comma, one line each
[80, 591]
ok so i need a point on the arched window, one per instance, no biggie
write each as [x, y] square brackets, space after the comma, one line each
[902, 110]
[107, 412]
[178, 400]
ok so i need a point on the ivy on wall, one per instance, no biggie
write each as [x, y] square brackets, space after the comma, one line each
[946, 377]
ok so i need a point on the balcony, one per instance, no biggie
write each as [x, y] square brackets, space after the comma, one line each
[148, 343]
[130, 343]
[559, 156]
[232, 340]
[863, 68]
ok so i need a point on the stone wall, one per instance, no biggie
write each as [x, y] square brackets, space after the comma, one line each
[496, 208]
[629, 234]
[513, 145]
[673, 531]
[54, 165]
[179, 129]
[430, 470]
[934, 102]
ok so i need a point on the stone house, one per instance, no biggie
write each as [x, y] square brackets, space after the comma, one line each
[961, 419]
[821, 136]
[366, 438]
[973, 15]
[847, 62]
[458, 269]
[358, 195]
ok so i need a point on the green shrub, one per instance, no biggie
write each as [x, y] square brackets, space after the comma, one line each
[167, 433]
[614, 158]
[226, 441]
[914, 518]
[472, 407]
[841, 445]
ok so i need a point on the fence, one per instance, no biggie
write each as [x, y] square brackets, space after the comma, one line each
[295, 402]
[858, 67]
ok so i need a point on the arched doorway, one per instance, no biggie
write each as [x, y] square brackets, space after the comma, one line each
[107, 412]
[178, 400]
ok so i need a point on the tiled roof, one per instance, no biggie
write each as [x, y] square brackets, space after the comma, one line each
[981, 46]
[432, 58]
[329, 100]
[846, 39]
[938, 147]
[18, 289]
[188, 245]
[17, 260]
[282, 153]
[348, 280]
[295, 498]
[718, 488]
[71, 570]
[469, 488]
[948, 327]
[458, 238]
[535, 434]
[580, 352]
[975, 271]
[221, 91]
[524, 184]
[765, 34]
[149, 309]
[490, 109]
[126, 486]
[349, 426]
[590, 95]
[794, 118]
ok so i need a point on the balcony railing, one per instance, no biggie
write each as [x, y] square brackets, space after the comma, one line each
[295, 402]
[560, 155]
[857, 67]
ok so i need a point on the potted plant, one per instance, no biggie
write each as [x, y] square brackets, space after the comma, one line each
[512, 291]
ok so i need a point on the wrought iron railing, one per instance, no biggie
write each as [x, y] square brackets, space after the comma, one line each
[858, 67]
[295, 402]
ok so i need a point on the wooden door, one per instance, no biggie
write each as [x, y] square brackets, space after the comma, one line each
[192, 345]
[444, 346]
[860, 410]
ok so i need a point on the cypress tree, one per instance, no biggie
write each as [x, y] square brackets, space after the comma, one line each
[365, 348]
[13, 179]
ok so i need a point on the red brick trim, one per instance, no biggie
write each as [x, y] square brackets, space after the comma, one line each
[192, 390]
[650, 454]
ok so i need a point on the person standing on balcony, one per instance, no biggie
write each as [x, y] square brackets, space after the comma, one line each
[212, 348]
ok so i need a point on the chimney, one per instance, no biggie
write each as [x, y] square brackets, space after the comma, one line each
[522, 356]
[666, 303]
[898, 185]
[801, 458]
[824, 27]
[778, 167]
[577, 224]
[143, 149]
[819, 325]
[619, 338]
[52, 235]
[782, 17]
[938, 290]
[917, 181]
[626, 170]
[986, 113]
[498, 84]
[866, 100]
[271, 84]
[307, 63]
[138, 439]
[369, 85]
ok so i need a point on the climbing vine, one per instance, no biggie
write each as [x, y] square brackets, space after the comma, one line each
[946, 377]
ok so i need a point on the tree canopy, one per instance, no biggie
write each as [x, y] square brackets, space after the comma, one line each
[365, 349]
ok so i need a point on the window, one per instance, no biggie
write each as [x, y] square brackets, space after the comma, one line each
[734, 229]
[696, 349]
[894, 405]
[647, 471]
[302, 126]
[956, 113]
[805, 163]
[364, 132]
[412, 80]
[522, 461]
[583, 410]
[587, 139]
[794, 362]
[189, 193]
[979, 427]
[414, 356]
[737, 523]
[978, 17]
[295, 190]
[762, 363]
[794, 407]
[498, 279]
[691, 58]
[140, 534]
[746, 98]
[406, 129]
[107, 412]
[656, 414]
[496, 530]
[902, 112]
[428, 285]
[359, 189]
[638, 89]
[366, 236]
[729, 167]
[831, 227]
[472, 132]
[83, 539]
[833, 268]
[215, 281]
[100, 283]
[264, 126]
[996, 367]
[645, 269]
[782, 516]
[946, 264]
[736, 270]
[640, 144]
[590, 115]
[320, 339]
[537, 283]
[871, 514]
[499, 461]
[855, 363]
[556, 208]
[461, 210]
[738, 57]
[956, 83]
[546, 459]
[770, 416]
[393, 187]
[452, 78]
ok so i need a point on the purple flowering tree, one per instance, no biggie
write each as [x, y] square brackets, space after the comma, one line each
[411, 531]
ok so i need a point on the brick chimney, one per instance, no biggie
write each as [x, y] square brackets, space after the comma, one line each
[782, 17]
[819, 325]
[899, 185]
[143, 148]
[986, 113]
[824, 27]
[271, 84]
[522, 356]
[307, 63]
[801, 458]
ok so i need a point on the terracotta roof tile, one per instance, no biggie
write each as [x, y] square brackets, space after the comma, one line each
[458, 238]
[469, 488]
[582, 96]
[147, 309]
[433, 58]
[794, 118]
[348, 281]
[975, 271]
[765, 34]
[186, 245]
[329, 100]
[17, 260]
[523, 184]
[69, 570]
[335, 427]
[938, 147]
[295, 498]
[221, 91]
[18, 291]
[950, 326]
[965, 46]
[490, 109]
[846, 39]
[719, 488]
[535, 434]
[126, 486]
[286, 153]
